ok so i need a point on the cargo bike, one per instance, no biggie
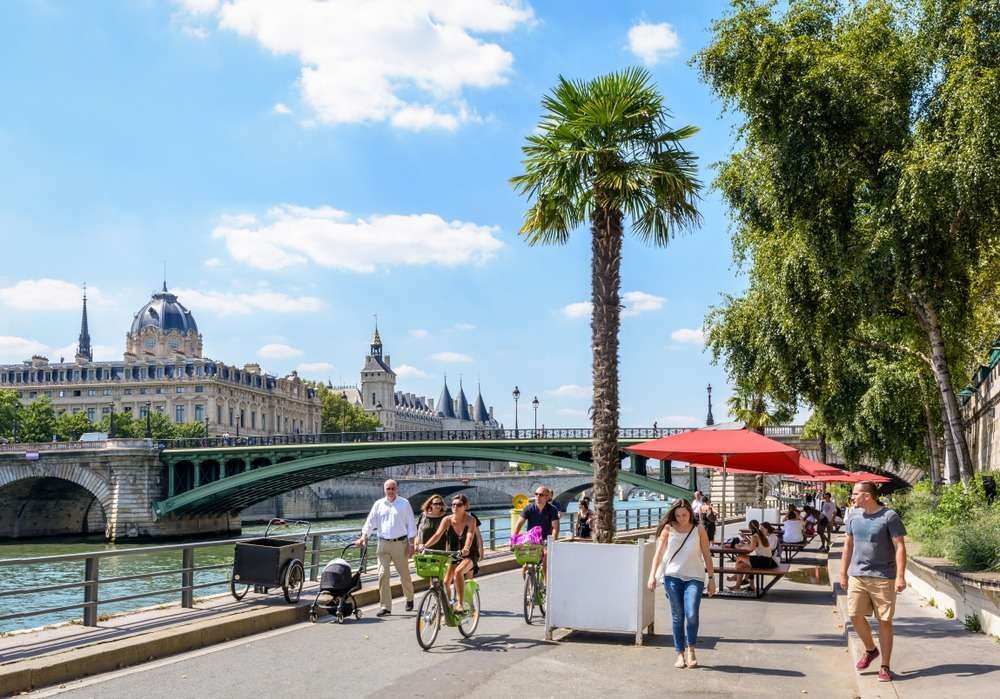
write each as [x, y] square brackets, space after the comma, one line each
[271, 562]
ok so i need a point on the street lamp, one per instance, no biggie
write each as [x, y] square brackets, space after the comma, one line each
[149, 429]
[206, 427]
[535, 404]
[516, 394]
[111, 423]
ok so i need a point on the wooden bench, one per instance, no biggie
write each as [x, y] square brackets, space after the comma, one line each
[758, 575]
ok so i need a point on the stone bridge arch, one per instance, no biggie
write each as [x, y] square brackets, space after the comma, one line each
[53, 499]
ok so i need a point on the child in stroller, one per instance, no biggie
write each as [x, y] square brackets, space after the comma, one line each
[337, 586]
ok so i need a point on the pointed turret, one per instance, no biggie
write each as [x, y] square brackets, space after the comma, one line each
[479, 411]
[376, 346]
[83, 351]
[446, 406]
[463, 403]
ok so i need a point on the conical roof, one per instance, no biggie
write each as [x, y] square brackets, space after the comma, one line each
[463, 404]
[446, 407]
[479, 412]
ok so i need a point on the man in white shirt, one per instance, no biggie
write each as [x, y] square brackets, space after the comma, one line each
[696, 504]
[391, 518]
[827, 513]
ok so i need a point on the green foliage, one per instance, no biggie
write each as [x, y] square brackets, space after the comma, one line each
[976, 546]
[972, 623]
[949, 613]
[339, 415]
[69, 426]
[10, 406]
[932, 602]
[38, 421]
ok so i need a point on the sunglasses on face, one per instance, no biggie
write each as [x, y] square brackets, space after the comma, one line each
[437, 504]
[541, 495]
[457, 504]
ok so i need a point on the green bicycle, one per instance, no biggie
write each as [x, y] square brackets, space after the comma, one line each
[530, 556]
[435, 607]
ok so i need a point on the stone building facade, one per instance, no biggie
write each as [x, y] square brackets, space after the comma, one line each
[163, 370]
[980, 401]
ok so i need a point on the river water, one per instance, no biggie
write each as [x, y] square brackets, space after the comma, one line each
[55, 573]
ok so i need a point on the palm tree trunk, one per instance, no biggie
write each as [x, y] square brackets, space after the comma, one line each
[941, 369]
[606, 251]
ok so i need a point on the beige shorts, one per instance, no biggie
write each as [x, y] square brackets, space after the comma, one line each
[870, 594]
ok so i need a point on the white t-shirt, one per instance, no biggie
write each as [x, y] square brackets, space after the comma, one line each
[829, 509]
[688, 563]
[791, 532]
[696, 506]
[772, 541]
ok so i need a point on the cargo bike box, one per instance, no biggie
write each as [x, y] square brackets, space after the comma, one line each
[271, 562]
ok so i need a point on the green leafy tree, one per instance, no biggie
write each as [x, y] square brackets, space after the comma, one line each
[69, 426]
[868, 163]
[189, 430]
[603, 152]
[38, 421]
[10, 406]
[340, 415]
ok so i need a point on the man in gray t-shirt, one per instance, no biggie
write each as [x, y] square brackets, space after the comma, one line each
[875, 560]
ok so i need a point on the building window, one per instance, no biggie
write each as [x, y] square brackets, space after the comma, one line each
[128, 391]
[199, 389]
[76, 393]
[253, 419]
[91, 414]
[105, 410]
[32, 394]
[62, 394]
[107, 391]
[230, 417]
[218, 414]
[178, 414]
[91, 391]
[243, 418]
[199, 413]
[263, 421]
[142, 391]
[180, 389]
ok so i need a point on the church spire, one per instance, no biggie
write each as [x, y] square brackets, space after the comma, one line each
[83, 351]
[376, 346]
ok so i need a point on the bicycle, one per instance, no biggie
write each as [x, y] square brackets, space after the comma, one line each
[530, 556]
[435, 606]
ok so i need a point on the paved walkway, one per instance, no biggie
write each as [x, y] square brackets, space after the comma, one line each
[785, 645]
[932, 656]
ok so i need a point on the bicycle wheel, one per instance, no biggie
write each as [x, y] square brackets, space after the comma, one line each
[540, 593]
[428, 619]
[291, 582]
[238, 590]
[530, 596]
[470, 618]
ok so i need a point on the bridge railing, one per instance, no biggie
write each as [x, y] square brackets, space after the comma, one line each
[100, 583]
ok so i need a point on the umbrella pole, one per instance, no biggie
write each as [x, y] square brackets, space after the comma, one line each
[722, 530]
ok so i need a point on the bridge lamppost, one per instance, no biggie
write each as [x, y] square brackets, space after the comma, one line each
[206, 427]
[149, 429]
[111, 423]
[516, 394]
[535, 404]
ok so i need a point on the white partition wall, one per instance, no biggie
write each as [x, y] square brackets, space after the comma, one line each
[599, 587]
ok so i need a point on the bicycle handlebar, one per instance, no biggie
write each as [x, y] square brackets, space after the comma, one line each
[454, 555]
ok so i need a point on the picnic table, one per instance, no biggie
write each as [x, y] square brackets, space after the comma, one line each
[758, 574]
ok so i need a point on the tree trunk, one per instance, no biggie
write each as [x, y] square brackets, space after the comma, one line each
[933, 452]
[822, 448]
[928, 319]
[950, 459]
[606, 250]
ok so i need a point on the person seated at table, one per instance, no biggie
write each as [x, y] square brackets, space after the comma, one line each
[757, 556]
[810, 518]
[791, 532]
[773, 540]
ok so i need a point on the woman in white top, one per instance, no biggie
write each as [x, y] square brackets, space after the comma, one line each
[688, 558]
[791, 533]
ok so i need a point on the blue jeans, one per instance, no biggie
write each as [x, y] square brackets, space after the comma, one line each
[685, 601]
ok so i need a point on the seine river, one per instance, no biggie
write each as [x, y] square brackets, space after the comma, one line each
[121, 566]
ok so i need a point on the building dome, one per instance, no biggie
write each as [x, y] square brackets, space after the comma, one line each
[164, 313]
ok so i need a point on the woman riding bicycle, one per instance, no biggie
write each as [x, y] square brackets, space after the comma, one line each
[461, 534]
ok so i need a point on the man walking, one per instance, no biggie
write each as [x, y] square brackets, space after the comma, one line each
[875, 560]
[827, 513]
[391, 518]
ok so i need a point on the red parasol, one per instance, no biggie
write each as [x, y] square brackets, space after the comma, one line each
[869, 476]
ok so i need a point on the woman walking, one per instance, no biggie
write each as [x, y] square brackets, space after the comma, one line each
[708, 517]
[685, 551]
[584, 520]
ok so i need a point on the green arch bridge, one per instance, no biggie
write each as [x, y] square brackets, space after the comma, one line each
[220, 475]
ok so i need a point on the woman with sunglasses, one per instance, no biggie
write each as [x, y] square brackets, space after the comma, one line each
[460, 532]
[431, 514]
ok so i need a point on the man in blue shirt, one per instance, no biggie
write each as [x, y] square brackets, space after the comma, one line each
[540, 513]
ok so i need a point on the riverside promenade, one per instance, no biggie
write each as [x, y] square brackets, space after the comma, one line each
[793, 642]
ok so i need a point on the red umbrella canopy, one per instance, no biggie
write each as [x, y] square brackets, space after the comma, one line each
[819, 472]
[743, 449]
[869, 476]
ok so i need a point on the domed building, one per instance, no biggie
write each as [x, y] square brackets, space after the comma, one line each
[163, 370]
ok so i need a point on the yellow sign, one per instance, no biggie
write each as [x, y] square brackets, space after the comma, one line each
[520, 502]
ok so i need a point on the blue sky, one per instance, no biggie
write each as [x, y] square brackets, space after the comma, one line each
[301, 166]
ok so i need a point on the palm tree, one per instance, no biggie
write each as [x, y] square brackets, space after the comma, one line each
[603, 152]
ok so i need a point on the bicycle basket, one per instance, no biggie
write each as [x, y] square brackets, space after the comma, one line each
[431, 565]
[527, 553]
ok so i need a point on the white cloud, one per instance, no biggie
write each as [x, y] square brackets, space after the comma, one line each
[281, 108]
[17, 349]
[688, 336]
[279, 351]
[407, 63]
[634, 302]
[405, 371]
[653, 42]
[451, 358]
[419, 333]
[314, 368]
[570, 390]
[213, 262]
[581, 309]
[42, 295]
[637, 302]
[224, 303]
[294, 235]
[678, 421]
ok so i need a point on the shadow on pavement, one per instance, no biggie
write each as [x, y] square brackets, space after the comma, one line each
[746, 670]
[493, 643]
[956, 669]
[819, 640]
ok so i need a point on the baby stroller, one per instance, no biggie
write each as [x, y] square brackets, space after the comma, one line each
[337, 586]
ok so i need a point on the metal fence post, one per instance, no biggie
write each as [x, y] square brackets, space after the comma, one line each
[493, 533]
[314, 559]
[187, 578]
[90, 590]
